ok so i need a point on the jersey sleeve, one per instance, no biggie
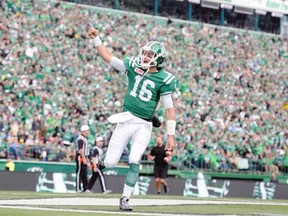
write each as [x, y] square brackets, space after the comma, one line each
[80, 144]
[132, 65]
[95, 152]
[169, 85]
[118, 64]
[128, 62]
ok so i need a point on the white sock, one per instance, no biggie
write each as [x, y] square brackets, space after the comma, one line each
[127, 191]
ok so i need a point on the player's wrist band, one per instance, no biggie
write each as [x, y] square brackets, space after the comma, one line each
[97, 41]
[171, 126]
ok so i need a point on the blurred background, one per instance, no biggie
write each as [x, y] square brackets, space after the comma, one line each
[229, 56]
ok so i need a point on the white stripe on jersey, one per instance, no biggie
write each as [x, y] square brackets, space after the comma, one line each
[165, 93]
[134, 62]
[170, 80]
[167, 78]
[130, 61]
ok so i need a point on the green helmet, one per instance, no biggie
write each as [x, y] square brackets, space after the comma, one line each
[157, 59]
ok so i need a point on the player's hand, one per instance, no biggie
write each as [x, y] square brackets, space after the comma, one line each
[85, 161]
[170, 144]
[170, 148]
[156, 122]
[167, 159]
[95, 169]
[92, 32]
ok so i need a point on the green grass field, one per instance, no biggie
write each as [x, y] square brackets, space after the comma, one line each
[15, 206]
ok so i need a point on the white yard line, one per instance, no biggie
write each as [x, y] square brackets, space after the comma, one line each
[102, 212]
[30, 203]
[134, 202]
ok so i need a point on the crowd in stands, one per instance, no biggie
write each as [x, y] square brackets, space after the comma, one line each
[231, 97]
[180, 9]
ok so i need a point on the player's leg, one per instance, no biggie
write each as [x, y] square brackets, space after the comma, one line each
[84, 174]
[157, 179]
[103, 183]
[92, 180]
[139, 143]
[165, 185]
[163, 176]
[119, 140]
[158, 185]
[78, 172]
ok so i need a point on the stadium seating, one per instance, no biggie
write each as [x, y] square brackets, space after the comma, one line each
[231, 98]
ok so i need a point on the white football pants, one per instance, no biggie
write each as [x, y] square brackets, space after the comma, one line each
[136, 131]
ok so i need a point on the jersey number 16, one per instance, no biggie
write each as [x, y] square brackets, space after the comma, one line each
[144, 94]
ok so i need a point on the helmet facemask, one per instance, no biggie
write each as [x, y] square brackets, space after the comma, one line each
[143, 59]
[155, 51]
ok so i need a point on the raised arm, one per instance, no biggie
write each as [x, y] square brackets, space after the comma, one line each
[105, 54]
[170, 124]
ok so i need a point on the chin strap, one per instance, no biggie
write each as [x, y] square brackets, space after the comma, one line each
[147, 70]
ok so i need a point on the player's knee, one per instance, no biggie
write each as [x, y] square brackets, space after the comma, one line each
[134, 167]
[134, 159]
[157, 180]
[110, 163]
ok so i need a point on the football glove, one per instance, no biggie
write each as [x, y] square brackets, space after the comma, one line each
[156, 122]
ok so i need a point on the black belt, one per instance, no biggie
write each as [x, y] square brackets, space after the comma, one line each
[155, 121]
[148, 120]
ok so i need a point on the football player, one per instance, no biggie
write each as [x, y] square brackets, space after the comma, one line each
[148, 82]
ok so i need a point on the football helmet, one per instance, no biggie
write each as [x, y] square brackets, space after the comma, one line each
[156, 59]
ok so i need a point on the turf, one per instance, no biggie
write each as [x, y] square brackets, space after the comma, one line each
[198, 209]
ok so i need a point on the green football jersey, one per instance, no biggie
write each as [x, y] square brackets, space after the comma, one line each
[143, 92]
